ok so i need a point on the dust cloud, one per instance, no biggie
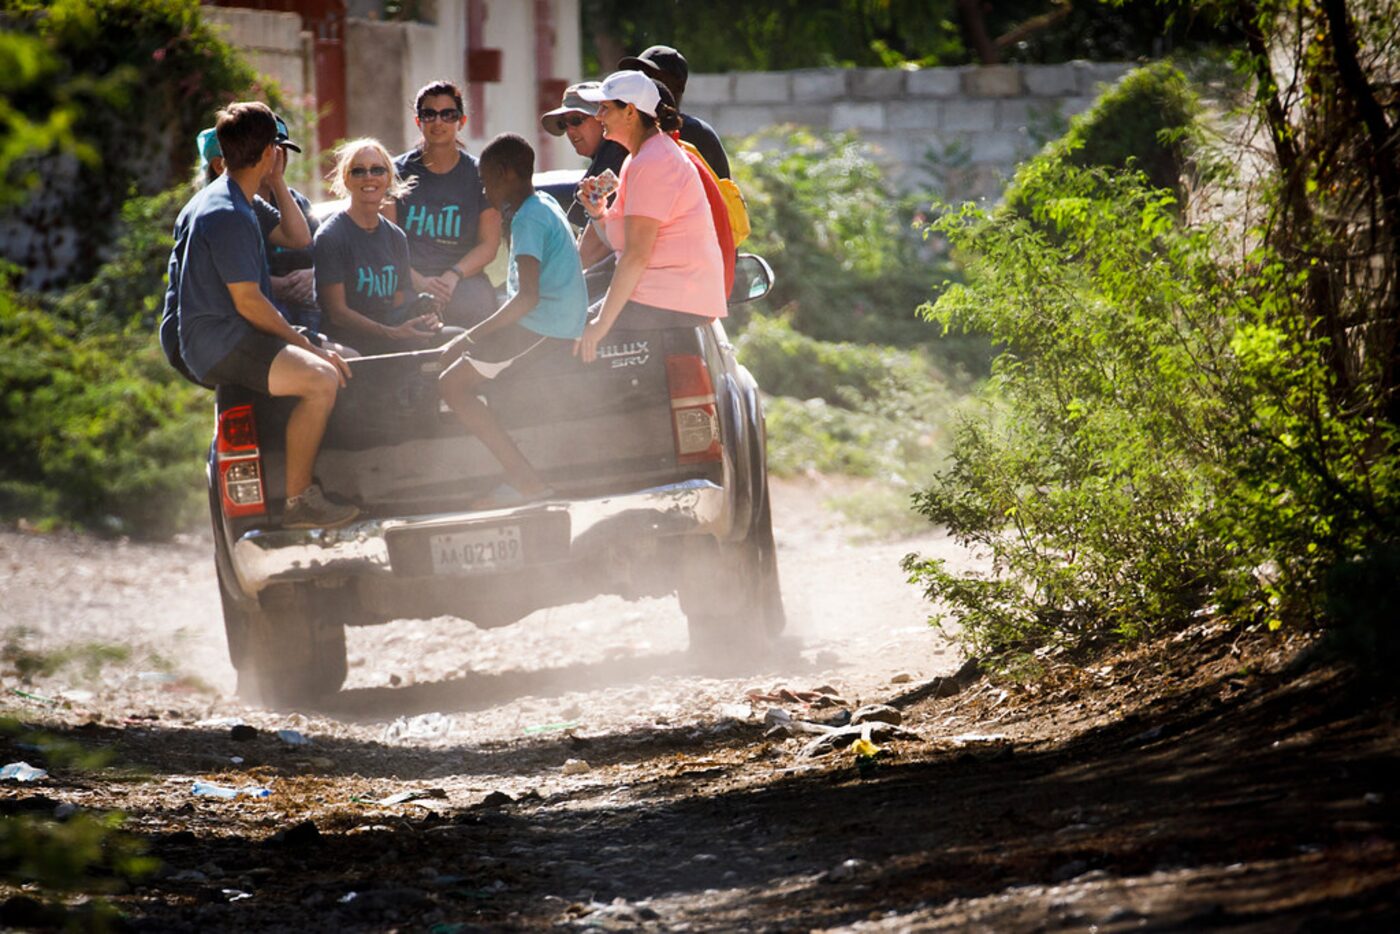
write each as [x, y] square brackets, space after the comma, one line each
[604, 666]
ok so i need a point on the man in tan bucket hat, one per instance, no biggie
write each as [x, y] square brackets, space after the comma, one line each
[574, 118]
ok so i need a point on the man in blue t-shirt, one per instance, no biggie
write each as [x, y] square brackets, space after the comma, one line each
[230, 333]
[543, 314]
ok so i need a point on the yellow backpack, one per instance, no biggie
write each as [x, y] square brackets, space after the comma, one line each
[733, 199]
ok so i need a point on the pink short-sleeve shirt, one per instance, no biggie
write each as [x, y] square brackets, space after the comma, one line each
[686, 270]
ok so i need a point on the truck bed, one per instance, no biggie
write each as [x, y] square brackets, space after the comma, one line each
[394, 448]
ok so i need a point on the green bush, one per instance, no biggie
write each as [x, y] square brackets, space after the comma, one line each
[1146, 121]
[854, 410]
[128, 291]
[133, 82]
[787, 363]
[96, 429]
[848, 261]
[1163, 437]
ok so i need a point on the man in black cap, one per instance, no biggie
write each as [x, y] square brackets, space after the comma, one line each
[291, 265]
[574, 118]
[663, 63]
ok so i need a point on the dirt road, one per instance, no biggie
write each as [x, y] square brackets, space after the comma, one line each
[605, 665]
[578, 770]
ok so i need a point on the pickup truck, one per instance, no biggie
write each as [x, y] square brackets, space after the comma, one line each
[656, 452]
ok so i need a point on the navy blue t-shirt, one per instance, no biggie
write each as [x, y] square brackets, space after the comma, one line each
[218, 241]
[282, 260]
[441, 213]
[703, 137]
[371, 264]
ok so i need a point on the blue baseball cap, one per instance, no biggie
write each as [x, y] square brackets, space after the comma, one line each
[284, 139]
[207, 145]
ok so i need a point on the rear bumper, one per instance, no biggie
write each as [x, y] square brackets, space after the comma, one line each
[361, 549]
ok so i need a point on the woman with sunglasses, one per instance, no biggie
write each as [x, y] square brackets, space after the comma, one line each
[363, 277]
[453, 232]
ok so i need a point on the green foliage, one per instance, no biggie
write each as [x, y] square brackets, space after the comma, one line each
[853, 410]
[1162, 434]
[97, 427]
[128, 291]
[85, 852]
[736, 35]
[26, 62]
[787, 363]
[1146, 121]
[848, 262]
[28, 663]
[725, 35]
[123, 84]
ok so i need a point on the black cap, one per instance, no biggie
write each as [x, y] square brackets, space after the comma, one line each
[659, 61]
[283, 137]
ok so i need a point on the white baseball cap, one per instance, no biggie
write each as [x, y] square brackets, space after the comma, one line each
[633, 87]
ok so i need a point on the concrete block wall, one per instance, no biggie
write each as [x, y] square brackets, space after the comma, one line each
[980, 120]
[271, 42]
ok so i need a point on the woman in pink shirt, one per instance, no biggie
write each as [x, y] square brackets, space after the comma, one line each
[670, 272]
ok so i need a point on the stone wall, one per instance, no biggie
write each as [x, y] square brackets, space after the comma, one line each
[975, 123]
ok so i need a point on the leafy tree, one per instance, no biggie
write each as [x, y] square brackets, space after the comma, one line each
[104, 100]
[848, 263]
[1189, 416]
[728, 35]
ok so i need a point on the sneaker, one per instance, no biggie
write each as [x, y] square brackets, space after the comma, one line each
[311, 510]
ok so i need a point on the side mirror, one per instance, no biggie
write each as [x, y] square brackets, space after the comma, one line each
[753, 278]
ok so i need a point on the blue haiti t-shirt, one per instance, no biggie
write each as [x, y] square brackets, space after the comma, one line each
[440, 214]
[371, 264]
[539, 229]
[217, 242]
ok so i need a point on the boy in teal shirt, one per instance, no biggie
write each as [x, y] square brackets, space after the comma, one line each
[544, 311]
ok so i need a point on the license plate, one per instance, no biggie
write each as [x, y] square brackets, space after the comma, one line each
[493, 549]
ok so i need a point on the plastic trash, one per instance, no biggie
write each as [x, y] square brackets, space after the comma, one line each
[867, 755]
[22, 772]
[293, 738]
[157, 677]
[211, 790]
[423, 726]
[39, 698]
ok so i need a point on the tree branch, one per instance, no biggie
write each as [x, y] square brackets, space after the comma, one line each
[1035, 24]
[975, 29]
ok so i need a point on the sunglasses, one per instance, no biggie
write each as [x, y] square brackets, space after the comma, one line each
[575, 120]
[446, 115]
[361, 171]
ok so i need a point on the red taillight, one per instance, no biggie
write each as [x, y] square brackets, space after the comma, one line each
[693, 414]
[239, 463]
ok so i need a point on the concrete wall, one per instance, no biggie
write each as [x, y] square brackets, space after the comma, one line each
[272, 43]
[975, 122]
[510, 104]
[276, 45]
[389, 62]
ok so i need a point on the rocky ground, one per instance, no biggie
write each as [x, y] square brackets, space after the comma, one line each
[578, 769]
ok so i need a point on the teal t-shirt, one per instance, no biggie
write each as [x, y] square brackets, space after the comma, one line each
[539, 229]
